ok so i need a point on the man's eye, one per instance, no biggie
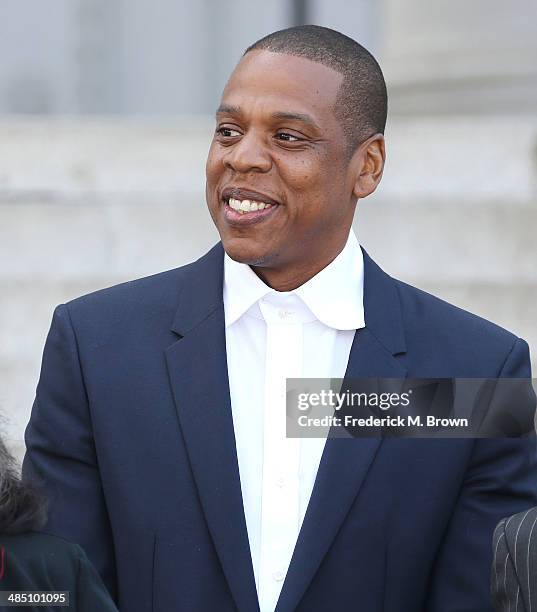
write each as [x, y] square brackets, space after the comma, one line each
[286, 137]
[227, 132]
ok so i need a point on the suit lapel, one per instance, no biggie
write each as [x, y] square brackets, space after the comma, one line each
[346, 461]
[198, 374]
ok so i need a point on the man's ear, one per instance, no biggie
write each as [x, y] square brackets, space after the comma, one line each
[368, 162]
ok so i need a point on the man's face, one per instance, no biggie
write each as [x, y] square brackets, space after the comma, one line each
[279, 146]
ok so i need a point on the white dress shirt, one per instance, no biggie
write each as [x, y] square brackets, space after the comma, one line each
[271, 336]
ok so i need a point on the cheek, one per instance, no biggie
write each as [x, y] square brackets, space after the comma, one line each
[213, 166]
[303, 174]
[310, 182]
[317, 185]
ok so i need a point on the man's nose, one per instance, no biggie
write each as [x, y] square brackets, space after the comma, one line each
[248, 154]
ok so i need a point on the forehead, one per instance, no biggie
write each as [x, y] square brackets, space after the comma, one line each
[281, 82]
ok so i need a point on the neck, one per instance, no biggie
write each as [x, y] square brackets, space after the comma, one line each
[292, 275]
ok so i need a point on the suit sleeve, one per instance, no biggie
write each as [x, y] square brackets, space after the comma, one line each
[506, 590]
[500, 480]
[61, 455]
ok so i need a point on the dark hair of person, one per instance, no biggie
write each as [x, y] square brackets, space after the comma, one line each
[362, 101]
[22, 506]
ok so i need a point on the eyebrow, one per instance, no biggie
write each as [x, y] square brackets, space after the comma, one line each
[308, 119]
[303, 117]
[227, 108]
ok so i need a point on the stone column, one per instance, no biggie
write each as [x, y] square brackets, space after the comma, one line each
[455, 56]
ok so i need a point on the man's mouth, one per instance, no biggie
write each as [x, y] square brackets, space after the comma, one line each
[246, 206]
[242, 206]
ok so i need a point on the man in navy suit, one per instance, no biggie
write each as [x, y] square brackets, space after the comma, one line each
[157, 428]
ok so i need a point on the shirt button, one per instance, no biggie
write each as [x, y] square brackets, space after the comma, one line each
[280, 482]
[278, 576]
[283, 314]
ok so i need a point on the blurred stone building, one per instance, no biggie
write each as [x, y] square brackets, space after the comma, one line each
[105, 122]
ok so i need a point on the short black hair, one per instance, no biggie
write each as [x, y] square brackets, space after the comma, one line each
[362, 102]
[22, 504]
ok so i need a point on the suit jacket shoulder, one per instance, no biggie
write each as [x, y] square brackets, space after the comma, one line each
[514, 570]
[471, 345]
[116, 313]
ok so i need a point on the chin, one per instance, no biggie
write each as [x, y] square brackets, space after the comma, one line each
[246, 251]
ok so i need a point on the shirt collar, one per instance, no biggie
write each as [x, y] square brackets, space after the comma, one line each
[334, 295]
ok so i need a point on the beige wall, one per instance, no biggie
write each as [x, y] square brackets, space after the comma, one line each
[455, 56]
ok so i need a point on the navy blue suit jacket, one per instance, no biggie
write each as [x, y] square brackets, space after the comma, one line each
[131, 433]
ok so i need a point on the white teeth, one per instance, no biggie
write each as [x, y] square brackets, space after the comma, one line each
[247, 205]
